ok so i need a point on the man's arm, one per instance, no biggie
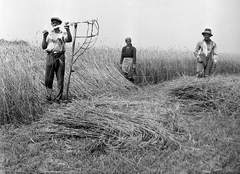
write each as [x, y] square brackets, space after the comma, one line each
[215, 55]
[44, 41]
[197, 48]
[134, 57]
[69, 35]
[197, 52]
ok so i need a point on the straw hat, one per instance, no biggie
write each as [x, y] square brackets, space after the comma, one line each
[207, 31]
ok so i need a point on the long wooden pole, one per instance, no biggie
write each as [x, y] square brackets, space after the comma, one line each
[71, 62]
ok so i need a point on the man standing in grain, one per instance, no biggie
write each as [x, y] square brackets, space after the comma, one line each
[128, 60]
[54, 44]
[206, 53]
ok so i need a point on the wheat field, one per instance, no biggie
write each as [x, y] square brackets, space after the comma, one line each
[169, 121]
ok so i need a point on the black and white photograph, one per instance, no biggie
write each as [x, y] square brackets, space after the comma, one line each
[120, 87]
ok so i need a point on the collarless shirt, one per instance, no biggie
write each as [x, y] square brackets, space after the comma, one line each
[203, 48]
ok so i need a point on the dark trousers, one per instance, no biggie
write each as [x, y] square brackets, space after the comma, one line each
[206, 65]
[55, 65]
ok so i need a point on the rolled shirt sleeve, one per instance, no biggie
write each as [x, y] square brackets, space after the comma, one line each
[197, 48]
[215, 55]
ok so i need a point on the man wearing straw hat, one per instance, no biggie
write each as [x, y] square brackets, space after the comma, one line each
[206, 53]
[128, 60]
[54, 44]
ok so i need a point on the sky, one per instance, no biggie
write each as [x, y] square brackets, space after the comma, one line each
[150, 23]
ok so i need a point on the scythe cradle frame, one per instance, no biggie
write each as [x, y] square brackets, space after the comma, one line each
[89, 40]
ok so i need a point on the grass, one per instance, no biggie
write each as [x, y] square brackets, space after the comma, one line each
[181, 125]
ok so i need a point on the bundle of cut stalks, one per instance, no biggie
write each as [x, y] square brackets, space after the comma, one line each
[211, 94]
[108, 129]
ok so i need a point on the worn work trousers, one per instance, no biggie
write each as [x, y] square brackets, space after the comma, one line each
[55, 65]
[206, 65]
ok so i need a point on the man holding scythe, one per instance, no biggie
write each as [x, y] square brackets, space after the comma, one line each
[54, 44]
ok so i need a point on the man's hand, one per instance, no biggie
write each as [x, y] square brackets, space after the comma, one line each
[134, 66]
[199, 59]
[66, 26]
[45, 33]
[215, 65]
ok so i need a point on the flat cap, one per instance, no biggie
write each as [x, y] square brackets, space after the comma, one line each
[56, 19]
